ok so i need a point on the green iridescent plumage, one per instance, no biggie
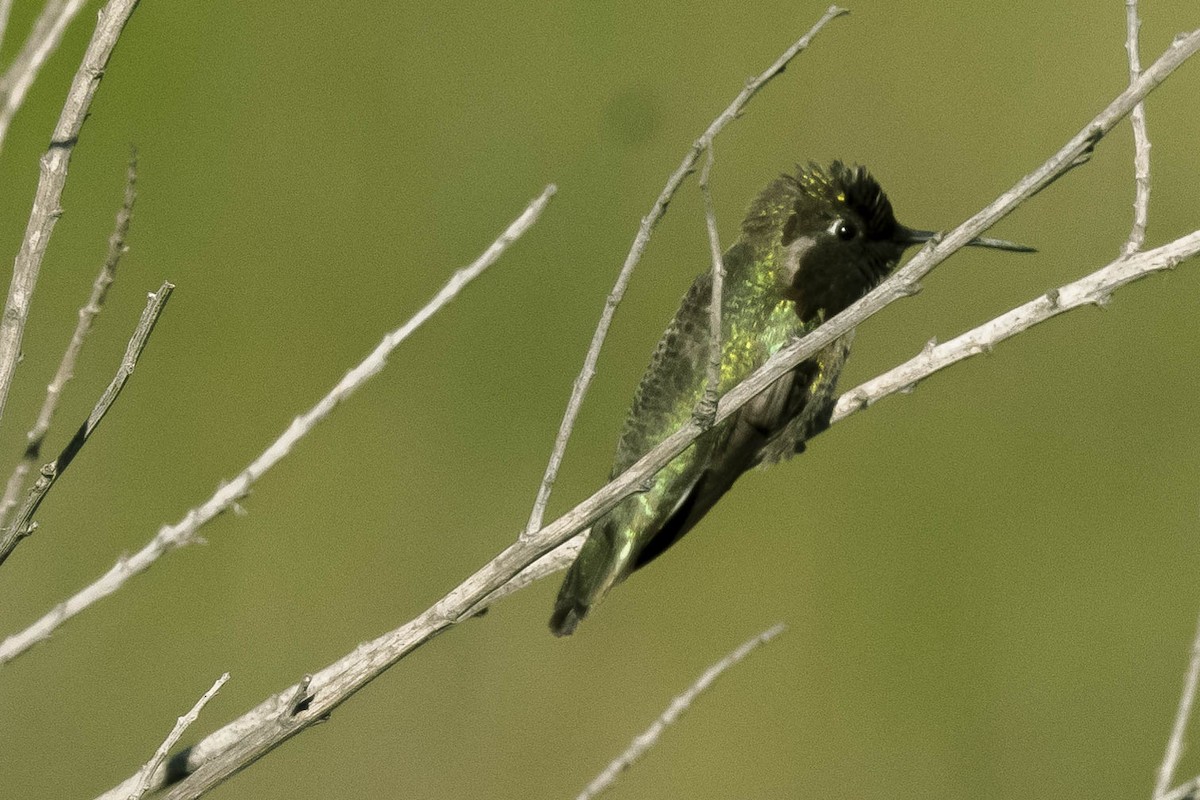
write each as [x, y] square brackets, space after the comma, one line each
[811, 244]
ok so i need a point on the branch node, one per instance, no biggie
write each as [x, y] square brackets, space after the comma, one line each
[299, 702]
[976, 350]
[705, 413]
[858, 400]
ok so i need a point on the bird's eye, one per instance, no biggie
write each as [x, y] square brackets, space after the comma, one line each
[843, 229]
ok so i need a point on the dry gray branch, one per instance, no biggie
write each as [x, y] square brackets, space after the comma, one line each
[46, 202]
[706, 409]
[1141, 140]
[649, 737]
[66, 367]
[649, 222]
[5, 11]
[23, 525]
[23, 71]
[183, 532]
[1183, 713]
[1093, 290]
[181, 725]
[1185, 791]
[258, 731]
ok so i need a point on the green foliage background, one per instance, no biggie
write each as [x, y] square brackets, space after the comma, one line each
[989, 585]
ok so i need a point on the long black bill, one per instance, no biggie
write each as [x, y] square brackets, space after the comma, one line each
[912, 236]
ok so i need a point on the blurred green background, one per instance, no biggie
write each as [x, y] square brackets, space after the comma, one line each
[989, 585]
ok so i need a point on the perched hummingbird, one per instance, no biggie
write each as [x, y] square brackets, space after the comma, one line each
[811, 244]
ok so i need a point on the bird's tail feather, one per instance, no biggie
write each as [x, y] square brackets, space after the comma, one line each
[602, 562]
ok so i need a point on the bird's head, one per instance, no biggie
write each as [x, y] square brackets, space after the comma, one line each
[839, 236]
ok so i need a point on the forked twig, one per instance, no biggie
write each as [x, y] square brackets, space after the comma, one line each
[66, 367]
[22, 524]
[183, 532]
[47, 206]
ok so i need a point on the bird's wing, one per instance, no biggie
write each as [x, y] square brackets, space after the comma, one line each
[664, 400]
[672, 383]
[818, 401]
[740, 440]
[772, 427]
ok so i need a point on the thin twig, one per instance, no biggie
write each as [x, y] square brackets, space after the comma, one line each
[183, 532]
[1093, 290]
[181, 725]
[706, 409]
[66, 367]
[649, 222]
[43, 40]
[47, 201]
[257, 732]
[22, 524]
[1141, 140]
[649, 737]
[5, 11]
[1183, 713]
[1185, 791]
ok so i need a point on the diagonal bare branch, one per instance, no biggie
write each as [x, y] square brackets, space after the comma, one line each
[47, 201]
[1092, 290]
[23, 525]
[43, 40]
[645, 740]
[66, 367]
[5, 11]
[183, 532]
[1187, 699]
[181, 725]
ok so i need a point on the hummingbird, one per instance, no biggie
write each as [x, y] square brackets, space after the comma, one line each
[811, 244]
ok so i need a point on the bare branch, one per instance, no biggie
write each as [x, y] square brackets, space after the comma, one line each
[1183, 713]
[706, 409]
[1141, 140]
[257, 732]
[66, 367]
[1093, 290]
[183, 532]
[181, 725]
[649, 222]
[649, 737]
[43, 40]
[22, 525]
[1185, 791]
[5, 11]
[46, 202]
